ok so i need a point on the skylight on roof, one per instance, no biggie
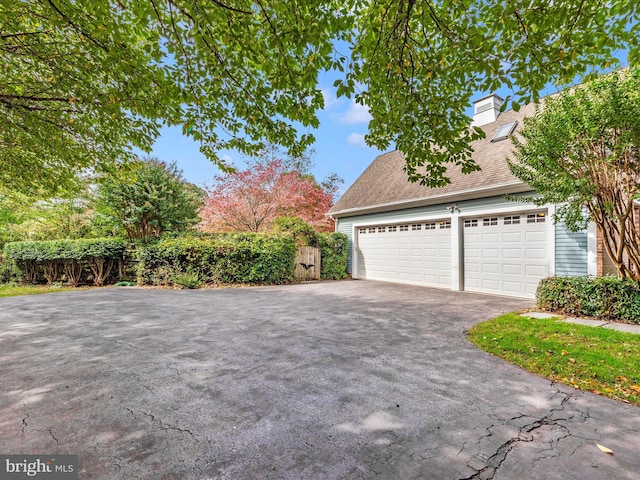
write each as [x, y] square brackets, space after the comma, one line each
[504, 131]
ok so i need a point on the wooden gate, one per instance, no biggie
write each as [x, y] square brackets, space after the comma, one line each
[307, 263]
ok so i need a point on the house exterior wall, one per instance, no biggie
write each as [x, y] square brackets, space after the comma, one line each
[571, 252]
[571, 249]
[466, 208]
[345, 226]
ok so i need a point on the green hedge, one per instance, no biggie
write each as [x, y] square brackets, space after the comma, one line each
[334, 248]
[9, 272]
[72, 258]
[600, 297]
[193, 260]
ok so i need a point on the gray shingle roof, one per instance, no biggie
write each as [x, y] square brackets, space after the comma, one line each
[383, 186]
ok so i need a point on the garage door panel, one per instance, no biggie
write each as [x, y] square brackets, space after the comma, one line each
[511, 253]
[512, 237]
[472, 267]
[536, 254]
[492, 253]
[418, 253]
[536, 236]
[471, 252]
[512, 268]
[504, 257]
[489, 284]
[536, 270]
[489, 238]
[491, 268]
[512, 287]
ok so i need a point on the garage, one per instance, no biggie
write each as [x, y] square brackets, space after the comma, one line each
[417, 253]
[505, 254]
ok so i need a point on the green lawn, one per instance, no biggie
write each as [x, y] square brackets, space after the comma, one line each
[598, 360]
[9, 290]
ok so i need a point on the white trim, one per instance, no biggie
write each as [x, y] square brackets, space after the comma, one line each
[551, 239]
[457, 253]
[469, 194]
[592, 250]
[354, 255]
[419, 218]
[502, 210]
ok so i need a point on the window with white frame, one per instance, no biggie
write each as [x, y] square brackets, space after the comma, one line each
[471, 223]
[536, 217]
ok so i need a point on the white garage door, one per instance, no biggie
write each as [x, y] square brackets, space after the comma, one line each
[506, 255]
[416, 253]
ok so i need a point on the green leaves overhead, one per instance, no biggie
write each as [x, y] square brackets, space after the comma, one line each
[420, 63]
[83, 82]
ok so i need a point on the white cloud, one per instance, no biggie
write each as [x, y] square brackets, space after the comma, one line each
[330, 98]
[356, 139]
[356, 113]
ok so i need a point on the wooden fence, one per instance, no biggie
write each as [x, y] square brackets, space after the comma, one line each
[307, 264]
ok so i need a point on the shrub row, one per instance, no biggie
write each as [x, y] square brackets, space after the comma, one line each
[600, 297]
[73, 259]
[193, 260]
[188, 261]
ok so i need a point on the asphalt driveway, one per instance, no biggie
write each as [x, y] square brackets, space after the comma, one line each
[336, 380]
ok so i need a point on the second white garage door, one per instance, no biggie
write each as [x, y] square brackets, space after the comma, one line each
[417, 253]
[506, 255]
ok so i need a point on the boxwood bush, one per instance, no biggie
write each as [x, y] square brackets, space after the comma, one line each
[72, 258]
[9, 272]
[600, 297]
[334, 248]
[217, 259]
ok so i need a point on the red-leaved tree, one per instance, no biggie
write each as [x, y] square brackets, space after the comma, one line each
[250, 200]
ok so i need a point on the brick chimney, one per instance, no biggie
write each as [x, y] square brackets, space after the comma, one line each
[486, 110]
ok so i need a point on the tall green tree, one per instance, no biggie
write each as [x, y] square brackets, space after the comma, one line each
[31, 218]
[151, 199]
[84, 80]
[581, 149]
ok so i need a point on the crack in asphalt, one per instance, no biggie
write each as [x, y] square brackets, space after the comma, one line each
[53, 436]
[162, 425]
[24, 423]
[526, 434]
[124, 343]
[170, 367]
